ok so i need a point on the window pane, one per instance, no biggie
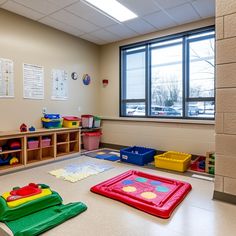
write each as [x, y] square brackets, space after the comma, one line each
[201, 109]
[201, 68]
[135, 76]
[166, 81]
[179, 40]
[135, 109]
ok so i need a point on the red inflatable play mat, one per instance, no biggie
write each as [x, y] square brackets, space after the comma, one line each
[153, 194]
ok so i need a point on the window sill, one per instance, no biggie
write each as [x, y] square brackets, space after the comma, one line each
[158, 120]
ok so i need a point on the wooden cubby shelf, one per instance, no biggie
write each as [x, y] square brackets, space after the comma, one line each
[40, 145]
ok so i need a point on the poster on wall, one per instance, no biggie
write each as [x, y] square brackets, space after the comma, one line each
[33, 77]
[6, 78]
[59, 85]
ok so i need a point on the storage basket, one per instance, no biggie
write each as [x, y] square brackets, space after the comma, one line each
[32, 144]
[46, 142]
[137, 155]
[52, 123]
[71, 121]
[173, 161]
[91, 140]
[87, 121]
[96, 122]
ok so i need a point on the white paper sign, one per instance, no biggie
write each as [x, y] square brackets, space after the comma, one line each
[59, 85]
[33, 81]
[6, 78]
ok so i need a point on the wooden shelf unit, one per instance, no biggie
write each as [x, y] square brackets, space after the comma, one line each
[63, 142]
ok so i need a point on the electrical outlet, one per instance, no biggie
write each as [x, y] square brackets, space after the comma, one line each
[44, 110]
[79, 108]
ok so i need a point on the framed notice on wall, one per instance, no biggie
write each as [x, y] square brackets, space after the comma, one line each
[59, 85]
[33, 77]
[6, 78]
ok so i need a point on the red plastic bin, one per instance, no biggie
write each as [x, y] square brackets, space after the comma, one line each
[91, 140]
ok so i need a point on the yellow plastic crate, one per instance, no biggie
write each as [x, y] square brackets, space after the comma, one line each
[171, 160]
[71, 122]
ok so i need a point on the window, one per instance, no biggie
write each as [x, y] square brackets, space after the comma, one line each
[171, 77]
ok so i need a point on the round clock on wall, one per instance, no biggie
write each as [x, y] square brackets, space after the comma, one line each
[74, 76]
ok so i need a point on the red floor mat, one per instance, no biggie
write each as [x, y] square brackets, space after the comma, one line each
[155, 195]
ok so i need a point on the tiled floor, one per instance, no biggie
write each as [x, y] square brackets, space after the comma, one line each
[197, 215]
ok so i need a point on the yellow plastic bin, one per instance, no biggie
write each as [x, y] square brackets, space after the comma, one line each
[71, 121]
[171, 160]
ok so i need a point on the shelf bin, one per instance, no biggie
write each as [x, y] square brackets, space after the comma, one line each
[173, 161]
[71, 122]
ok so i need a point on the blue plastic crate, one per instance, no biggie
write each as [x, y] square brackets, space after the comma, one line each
[137, 155]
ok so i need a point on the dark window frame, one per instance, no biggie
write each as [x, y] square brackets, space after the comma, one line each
[185, 75]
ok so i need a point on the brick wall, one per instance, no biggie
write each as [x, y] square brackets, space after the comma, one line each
[225, 181]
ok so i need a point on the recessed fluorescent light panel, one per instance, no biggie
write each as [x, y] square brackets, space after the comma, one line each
[112, 8]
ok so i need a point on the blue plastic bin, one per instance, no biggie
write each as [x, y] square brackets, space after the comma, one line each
[137, 155]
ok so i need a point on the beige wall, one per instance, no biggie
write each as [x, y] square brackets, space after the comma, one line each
[23, 40]
[191, 138]
[226, 96]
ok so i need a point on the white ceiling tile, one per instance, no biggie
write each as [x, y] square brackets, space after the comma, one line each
[140, 7]
[61, 26]
[75, 21]
[21, 10]
[2, 1]
[140, 26]
[184, 13]
[92, 39]
[62, 3]
[43, 7]
[82, 10]
[160, 20]
[105, 35]
[170, 3]
[121, 30]
[205, 8]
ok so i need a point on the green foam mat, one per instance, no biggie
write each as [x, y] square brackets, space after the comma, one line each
[41, 221]
[8, 214]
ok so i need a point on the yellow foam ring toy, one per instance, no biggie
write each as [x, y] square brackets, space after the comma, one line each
[45, 192]
[14, 160]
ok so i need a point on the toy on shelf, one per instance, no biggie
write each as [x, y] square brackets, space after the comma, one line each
[210, 163]
[32, 128]
[8, 160]
[13, 144]
[52, 121]
[23, 128]
[71, 121]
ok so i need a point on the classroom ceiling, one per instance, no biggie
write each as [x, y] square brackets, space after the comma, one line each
[77, 18]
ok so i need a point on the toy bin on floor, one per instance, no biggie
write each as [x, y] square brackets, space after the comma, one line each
[32, 144]
[87, 121]
[71, 121]
[137, 155]
[46, 142]
[91, 140]
[96, 122]
[173, 161]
